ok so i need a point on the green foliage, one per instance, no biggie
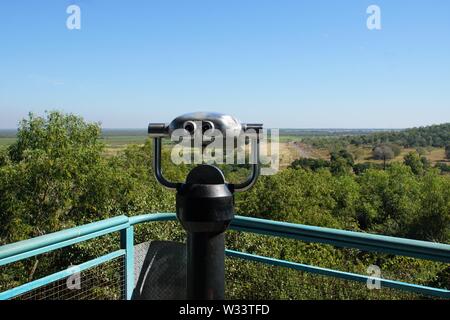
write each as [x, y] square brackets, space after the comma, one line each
[51, 174]
[432, 222]
[430, 136]
[341, 162]
[344, 154]
[389, 200]
[56, 177]
[435, 135]
[442, 167]
[417, 163]
[309, 164]
[292, 195]
[360, 168]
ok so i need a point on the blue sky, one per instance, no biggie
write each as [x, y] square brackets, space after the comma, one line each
[302, 64]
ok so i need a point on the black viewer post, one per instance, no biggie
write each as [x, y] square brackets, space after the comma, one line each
[205, 201]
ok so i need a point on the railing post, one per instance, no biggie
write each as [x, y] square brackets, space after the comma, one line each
[127, 243]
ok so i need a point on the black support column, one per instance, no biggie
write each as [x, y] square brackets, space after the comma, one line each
[205, 208]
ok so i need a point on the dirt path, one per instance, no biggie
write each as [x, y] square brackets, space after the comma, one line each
[302, 150]
[290, 151]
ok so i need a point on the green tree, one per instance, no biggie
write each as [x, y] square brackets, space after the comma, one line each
[359, 168]
[310, 164]
[52, 169]
[341, 162]
[432, 222]
[415, 162]
[56, 176]
[442, 167]
[389, 200]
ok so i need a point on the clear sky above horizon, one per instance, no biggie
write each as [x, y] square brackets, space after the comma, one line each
[286, 63]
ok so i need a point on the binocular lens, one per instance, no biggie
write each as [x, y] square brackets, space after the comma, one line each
[189, 126]
[207, 125]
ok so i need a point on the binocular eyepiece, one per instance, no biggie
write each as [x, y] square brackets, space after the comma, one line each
[191, 126]
[202, 122]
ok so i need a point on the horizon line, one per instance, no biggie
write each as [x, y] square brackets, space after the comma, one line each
[280, 128]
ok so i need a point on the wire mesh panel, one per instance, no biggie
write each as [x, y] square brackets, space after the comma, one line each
[250, 280]
[160, 271]
[103, 282]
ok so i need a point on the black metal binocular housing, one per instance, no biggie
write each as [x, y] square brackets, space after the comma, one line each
[205, 201]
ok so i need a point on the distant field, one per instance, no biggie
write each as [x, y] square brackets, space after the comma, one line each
[122, 137]
[291, 146]
[5, 142]
[7, 137]
[111, 141]
[329, 132]
[120, 141]
[113, 138]
[292, 135]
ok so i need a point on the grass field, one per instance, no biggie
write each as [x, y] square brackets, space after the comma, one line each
[112, 142]
[115, 144]
[6, 141]
[118, 141]
[364, 154]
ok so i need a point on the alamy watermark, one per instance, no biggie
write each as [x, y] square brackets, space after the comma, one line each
[214, 147]
[374, 20]
[73, 281]
[374, 280]
[73, 21]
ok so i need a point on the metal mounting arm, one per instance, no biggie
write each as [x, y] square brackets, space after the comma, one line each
[225, 124]
[157, 165]
[255, 170]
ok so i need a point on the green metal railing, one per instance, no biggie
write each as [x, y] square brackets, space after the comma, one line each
[347, 239]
